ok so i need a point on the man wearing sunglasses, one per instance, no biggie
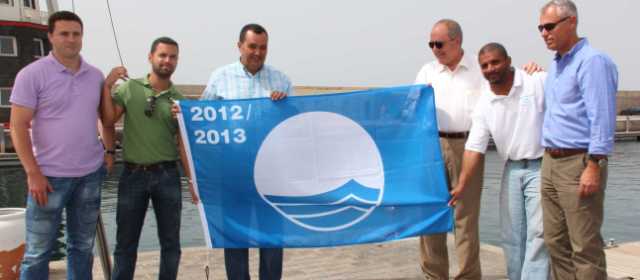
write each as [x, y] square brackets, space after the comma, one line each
[151, 149]
[578, 134]
[249, 77]
[510, 111]
[456, 81]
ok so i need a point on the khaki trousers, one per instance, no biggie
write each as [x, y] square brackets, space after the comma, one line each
[433, 248]
[572, 223]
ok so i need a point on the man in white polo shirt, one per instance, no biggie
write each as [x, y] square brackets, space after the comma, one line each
[456, 81]
[510, 110]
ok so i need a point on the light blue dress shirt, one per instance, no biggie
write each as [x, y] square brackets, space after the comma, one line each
[233, 81]
[580, 99]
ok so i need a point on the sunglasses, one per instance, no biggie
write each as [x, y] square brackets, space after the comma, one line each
[436, 44]
[550, 26]
[151, 106]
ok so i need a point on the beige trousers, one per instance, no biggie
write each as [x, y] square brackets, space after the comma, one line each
[433, 248]
[572, 223]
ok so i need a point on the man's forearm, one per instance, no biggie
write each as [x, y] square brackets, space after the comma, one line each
[107, 109]
[183, 158]
[470, 162]
[108, 136]
[22, 144]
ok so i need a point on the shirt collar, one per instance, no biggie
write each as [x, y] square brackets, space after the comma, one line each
[169, 91]
[463, 64]
[244, 69]
[576, 48]
[61, 68]
[517, 83]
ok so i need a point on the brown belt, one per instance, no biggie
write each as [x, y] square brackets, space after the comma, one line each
[562, 152]
[150, 167]
[453, 135]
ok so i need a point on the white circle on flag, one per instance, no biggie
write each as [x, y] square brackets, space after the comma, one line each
[321, 170]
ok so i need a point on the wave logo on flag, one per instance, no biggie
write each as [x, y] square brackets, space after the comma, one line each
[316, 171]
[348, 174]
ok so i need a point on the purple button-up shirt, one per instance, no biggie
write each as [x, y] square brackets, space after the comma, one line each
[64, 129]
[580, 99]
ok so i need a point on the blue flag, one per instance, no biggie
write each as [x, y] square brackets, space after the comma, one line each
[317, 171]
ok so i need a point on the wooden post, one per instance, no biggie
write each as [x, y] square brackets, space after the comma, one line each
[103, 248]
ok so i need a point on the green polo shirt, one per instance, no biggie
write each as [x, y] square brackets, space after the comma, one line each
[146, 139]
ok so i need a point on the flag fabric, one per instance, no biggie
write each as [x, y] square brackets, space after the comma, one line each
[316, 171]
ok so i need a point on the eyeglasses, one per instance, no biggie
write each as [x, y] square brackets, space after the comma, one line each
[552, 25]
[151, 106]
[437, 44]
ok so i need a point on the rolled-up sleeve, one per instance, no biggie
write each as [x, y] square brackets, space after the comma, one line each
[599, 84]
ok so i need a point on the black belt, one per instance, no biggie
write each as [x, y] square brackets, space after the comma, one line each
[150, 167]
[453, 135]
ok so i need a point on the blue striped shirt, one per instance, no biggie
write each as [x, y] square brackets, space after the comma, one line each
[580, 99]
[233, 81]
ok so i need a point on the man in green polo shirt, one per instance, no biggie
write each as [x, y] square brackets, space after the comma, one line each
[151, 149]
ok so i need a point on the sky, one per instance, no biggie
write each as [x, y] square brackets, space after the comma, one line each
[343, 43]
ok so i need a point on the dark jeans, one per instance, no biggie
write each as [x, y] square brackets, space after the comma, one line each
[136, 187]
[236, 262]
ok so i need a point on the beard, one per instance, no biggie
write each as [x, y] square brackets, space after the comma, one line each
[163, 73]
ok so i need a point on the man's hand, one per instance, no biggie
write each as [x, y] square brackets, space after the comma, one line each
[194, 196]
[456, 194]
[278, 95]
[590, 179]
[175, 110]
[108, 162]
[38, 188]
[532, 67]
[116, 73]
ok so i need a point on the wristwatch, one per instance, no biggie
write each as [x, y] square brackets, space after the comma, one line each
[110, 152]
[598, 159]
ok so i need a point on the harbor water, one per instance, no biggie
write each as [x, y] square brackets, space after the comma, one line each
[622, 202]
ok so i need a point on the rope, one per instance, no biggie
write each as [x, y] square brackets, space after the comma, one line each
[115, 37]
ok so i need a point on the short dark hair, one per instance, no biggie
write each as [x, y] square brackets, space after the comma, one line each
[493, 46]
[63, 15]
[163, 40]
[256, 28]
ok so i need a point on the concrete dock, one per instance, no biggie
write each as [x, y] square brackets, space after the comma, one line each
[393, 260]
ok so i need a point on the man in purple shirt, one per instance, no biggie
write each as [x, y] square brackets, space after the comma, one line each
[577, 133]
[58, 97]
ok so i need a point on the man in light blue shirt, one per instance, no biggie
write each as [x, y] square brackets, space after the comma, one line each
[250, 78]
[578, 134]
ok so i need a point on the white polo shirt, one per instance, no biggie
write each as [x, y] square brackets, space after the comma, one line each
[456, 92]
[514, 121]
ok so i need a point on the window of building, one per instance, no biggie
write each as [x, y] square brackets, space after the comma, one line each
[6, 2]
[30, 3]
[38, 47]
[4, 96]
[8, 46]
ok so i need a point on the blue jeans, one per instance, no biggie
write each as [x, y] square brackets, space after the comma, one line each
[136, 187]
[236, 262]
[80, 197]
[521, 221]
